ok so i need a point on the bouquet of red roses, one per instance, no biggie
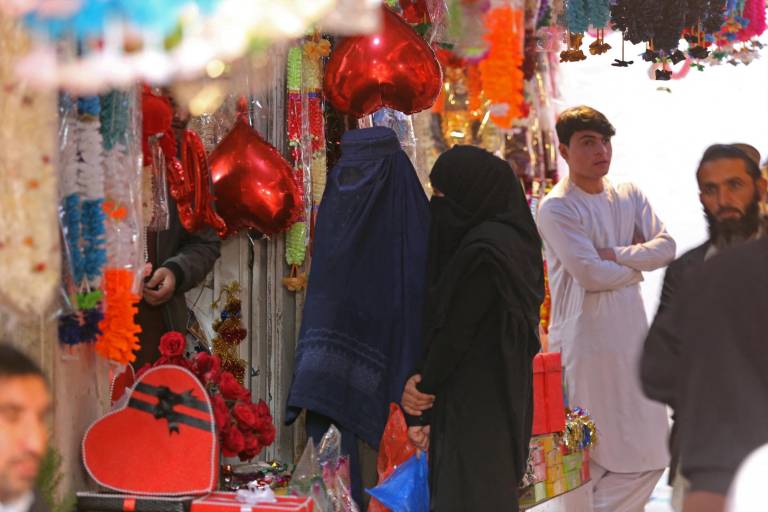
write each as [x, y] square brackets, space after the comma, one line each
[244, 427]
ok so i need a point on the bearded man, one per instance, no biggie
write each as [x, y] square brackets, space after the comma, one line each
[731, 187]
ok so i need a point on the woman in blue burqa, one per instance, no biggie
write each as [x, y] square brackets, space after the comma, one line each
[360, 335]
[484, 289]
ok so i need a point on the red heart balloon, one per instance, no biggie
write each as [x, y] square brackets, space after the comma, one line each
[161, 442]
[395, 68]
[253, 183]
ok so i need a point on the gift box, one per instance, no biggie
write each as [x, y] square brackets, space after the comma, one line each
[159, 441]
[555, 473]
[539, 491]
[102, 502]
[536, 454]
[572, 462]
[540, 472]
[554, 457]
[228, 502]
[555, 488]
[548, 406]
[584, 472]
[572, 480]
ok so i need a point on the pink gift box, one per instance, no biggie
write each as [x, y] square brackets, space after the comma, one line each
[540, 472]
[227, 502]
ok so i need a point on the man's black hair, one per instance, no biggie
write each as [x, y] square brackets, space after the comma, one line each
[14, 363]
[723, 151]
[580, 119]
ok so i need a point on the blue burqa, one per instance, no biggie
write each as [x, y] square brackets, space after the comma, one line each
[360, 336]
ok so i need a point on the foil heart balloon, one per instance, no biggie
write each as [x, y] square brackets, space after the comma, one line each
[253, 184]
[394, 68]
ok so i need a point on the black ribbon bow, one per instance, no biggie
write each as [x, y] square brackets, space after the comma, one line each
[165, 408]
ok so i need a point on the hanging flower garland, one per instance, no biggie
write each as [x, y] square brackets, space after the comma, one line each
[306, 139]
[83, 220]
[501, 73]
[119, 333]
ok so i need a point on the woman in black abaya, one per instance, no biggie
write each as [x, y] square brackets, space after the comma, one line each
[484, 289]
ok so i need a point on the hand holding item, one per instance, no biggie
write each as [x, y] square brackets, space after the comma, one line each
[607, 254]
[159, 289]
[419, 437]
[414, 402]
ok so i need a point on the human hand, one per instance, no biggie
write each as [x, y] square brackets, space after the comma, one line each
[414, 402]
[607, 254]
[159, 289]
[419, 437]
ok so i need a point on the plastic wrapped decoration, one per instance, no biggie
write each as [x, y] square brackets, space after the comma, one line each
[306, 140]
[335, 469]
[154, 191]
[29, 240]
[82, 218]
[123, 208]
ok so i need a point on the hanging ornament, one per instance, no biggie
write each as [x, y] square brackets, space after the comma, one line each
[394, 68]
[501, 70]
[253, 184]
[189, 179]
[230, 331]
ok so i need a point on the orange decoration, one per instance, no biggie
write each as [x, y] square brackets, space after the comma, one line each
[118, 339]
[113, 211]
[475, 85]
[501, 70]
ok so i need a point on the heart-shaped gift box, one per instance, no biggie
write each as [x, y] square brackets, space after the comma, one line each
[161, 441]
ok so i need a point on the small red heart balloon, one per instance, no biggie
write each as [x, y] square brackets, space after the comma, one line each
[395, 68]
[253, 183]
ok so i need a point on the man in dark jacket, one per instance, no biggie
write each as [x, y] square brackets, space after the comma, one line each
[731, 188]
[25, 403]
[180, 261]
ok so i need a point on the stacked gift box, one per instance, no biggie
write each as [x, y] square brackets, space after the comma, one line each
[558, 459]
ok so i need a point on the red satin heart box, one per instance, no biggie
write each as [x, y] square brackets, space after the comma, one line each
[160, 441]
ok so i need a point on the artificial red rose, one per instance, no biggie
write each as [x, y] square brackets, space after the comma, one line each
[252, 447]
[172, 344]
[267, 434]
[244, 415]
[261, 409]
[207, 367]
[232, 442]
[220, 412]
[231, 389]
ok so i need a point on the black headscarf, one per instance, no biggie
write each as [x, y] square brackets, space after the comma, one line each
[482, 217]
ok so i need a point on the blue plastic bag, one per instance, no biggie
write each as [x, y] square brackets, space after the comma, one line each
[407, 488]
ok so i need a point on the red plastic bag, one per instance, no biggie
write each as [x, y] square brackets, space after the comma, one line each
[394, 449]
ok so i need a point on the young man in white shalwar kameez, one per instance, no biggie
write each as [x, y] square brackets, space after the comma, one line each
[598, 240]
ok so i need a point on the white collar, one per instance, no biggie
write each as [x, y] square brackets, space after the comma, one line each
[22, 504]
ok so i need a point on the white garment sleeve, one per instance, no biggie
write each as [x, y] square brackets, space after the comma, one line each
[658, 249]
[570, 243]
